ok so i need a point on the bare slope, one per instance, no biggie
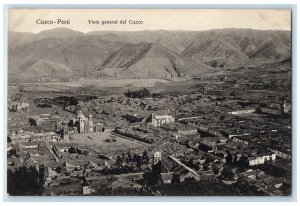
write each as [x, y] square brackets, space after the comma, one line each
[159, 54]
[149, 60]
[203, 45]
[227, 47]
[42, 70]
[270, 49]
[79, 54]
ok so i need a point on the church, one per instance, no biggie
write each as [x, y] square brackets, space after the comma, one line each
[83, 123]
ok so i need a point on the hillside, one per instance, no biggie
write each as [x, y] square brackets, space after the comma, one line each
[271, 49]
[140, 54]
[237, 47]
[80, 54]
[239, 40]
[149, 60]
[42, 70]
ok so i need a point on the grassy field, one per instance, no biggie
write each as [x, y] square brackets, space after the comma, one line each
[93, 83]
[96, 142]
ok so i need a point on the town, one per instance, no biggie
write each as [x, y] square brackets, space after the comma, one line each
[222, 136]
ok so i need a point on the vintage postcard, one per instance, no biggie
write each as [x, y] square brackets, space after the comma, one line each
[149, 102]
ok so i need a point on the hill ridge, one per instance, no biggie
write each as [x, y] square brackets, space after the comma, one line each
[134, 58]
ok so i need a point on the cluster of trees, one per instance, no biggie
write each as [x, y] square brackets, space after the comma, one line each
[65, 100]
[190, 163]
[234, 160]
[86, 98]
[24, 181]
[139, 160]
[128, 163]
[142, 93]
[152, 177]
[44, 105]
[42, 102]
[59, 101]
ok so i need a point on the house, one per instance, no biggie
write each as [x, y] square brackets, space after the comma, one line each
[66, 131]
[282, 168]
[242, 139]
[166, 178]
[33, 137]
[98, 127]
[63, 147]
[68, 166]
[109, 128]
[276, 108]
[281, 152]
[92, 164]
[17, 106]
[270, 110]
[261, 159]
[244, 111]
[253, 174]
[29, 146]
[158, 120]
[172, 164]
[58, 126]
[73, 155]
[259, 181]
[141, 117]
[86, 190]
[210, 131]
[187, 130]
[35, 120]
[276, 182]
[227, 79]
[50, 174]
[208, 146]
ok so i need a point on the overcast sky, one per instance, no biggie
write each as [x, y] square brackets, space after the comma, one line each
[24, 20]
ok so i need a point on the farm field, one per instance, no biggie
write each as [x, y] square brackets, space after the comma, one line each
[96, 83]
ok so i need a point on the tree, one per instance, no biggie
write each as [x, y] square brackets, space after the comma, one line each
[129, 156]
[118, 160]
[138, 93]
[138, 163]
[134, 157]
[197, 166]
[156, 169]
[215, 169]
[150, 179]
[190, 163]
[176, 179]
[59, 169]
[145, 157]
[24, 181]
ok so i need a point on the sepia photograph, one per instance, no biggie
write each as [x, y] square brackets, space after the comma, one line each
[149, 102]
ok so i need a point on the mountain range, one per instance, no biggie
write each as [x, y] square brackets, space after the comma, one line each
[64, 54]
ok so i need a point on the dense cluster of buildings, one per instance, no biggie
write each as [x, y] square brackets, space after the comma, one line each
[204, 136]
